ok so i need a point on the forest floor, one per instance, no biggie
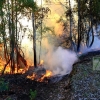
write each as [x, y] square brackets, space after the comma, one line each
[82, 84]
[86, 81]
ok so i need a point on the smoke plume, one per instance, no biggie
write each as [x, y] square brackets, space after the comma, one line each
[60, 61]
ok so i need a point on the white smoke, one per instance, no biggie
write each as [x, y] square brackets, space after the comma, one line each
[96, 42]
[60, 61]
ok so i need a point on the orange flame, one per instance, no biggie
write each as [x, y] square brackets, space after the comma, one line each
[31, 77]
[47, 74]
[41, 62]
[8, 68]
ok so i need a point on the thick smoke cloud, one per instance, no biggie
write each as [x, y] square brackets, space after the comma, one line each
[60, 61]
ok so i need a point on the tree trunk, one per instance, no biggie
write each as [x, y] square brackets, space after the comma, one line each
[41, 35]
[79, 35]
[70, 17]
[34, 38]
[12, 38]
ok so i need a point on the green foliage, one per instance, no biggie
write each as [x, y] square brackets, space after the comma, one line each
[28, 4]
[89, 8]
[95, 8]
[9, 98]
[3, 85]
[33, 94]
[1, 3]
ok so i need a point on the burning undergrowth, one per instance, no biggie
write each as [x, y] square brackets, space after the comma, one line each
[42, 75]
[56, 64]
[60, 61]
[20, 86]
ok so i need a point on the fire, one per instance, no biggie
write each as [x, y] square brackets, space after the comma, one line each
[31, 77]
[41, 76]
[41, 62]
[8, 68]
[48, 74]
[37, 76]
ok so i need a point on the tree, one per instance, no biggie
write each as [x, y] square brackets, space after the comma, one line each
[88, 12]
[9, 11]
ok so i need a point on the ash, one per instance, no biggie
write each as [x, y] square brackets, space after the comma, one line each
[56, 78]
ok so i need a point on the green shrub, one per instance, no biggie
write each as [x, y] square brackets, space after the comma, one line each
[3, 85]
[33, 94]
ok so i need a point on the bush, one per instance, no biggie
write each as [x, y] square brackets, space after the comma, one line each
[3, 85]
[33, 94]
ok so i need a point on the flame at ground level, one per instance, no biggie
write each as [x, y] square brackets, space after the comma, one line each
[8, 70]
[41, 78]
[35, 76]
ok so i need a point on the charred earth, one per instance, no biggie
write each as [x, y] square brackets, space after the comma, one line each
[82, 83]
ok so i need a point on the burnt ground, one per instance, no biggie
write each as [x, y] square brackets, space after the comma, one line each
[19, 89]
[82, 84]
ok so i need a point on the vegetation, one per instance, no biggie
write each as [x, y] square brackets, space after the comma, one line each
[11, 11]
[80, 20]
[76, 31]
[32, 94]
[3, 85]
[11, 29]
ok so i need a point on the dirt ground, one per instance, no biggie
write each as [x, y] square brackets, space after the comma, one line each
[82, 84]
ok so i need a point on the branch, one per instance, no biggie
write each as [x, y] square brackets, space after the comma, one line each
[5, 66]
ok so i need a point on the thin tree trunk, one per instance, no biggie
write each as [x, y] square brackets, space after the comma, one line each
[70, 17]
[12, 38]
[41, 35]
[78, 45]
[16, 40]
[34, 38]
